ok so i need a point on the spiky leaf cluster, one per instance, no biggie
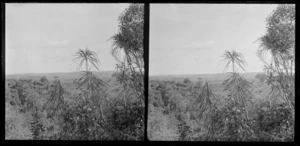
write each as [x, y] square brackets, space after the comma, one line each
[234, 58]
[89, 81]
[86, 57]
[279, 42]
[129, 42]
[129, 39]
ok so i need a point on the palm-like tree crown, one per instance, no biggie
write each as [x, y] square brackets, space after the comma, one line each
[129, 39]
[233, 58]
[87, 56]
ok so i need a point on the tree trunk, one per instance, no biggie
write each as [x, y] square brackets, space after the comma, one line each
[124, 99]
[233, 66]
[247, 115]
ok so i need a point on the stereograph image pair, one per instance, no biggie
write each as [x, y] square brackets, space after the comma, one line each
[217, 72]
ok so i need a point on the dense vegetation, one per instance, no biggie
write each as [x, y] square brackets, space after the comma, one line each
[97, 109]
[189, 110]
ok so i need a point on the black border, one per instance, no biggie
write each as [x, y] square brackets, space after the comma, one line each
[147, 4]
[146, 61]
[3, 66]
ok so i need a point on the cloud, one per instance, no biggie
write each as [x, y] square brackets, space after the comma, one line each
[252, 8]
[174, 12]
[205, 44]
[173, 7]
[119, 8]
[200, 45]
[56, 43]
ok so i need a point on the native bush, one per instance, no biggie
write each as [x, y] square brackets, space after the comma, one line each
[162, 126]
[43, 79]
[187, 81]
[16, 124]
[261, 77]
[276, 122]
[81, 123]
[230, 124]
[129, 120]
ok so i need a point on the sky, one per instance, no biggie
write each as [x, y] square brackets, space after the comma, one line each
[191, 38]
[43, 38]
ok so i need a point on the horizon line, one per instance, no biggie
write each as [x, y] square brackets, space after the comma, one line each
[201, 73]
[149, 74]
[55, 72]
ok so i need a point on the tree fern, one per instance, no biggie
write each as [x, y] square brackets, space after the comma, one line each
[92, 83]
[239, 89]
[238, 86]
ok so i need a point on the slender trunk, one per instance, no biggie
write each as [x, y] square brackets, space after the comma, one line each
[101, 112]
[270, 101]
[169, 107]
[86, 64]
[247, 112]
[245, 106]
[89, 82]
[289, 102]
[285, 67]
[124, 100]
[233, 66]
[291, 67]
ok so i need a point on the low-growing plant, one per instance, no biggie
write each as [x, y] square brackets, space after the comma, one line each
[229, 124]
[276, 122]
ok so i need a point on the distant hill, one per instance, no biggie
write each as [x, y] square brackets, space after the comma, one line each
[51, 76]
[205, 77]
[67, 76]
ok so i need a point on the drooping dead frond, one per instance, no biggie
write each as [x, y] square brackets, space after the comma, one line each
[204, 101]
[89, 79]
[203, 108]
[56, 99]
[237, 85]
[239, 89]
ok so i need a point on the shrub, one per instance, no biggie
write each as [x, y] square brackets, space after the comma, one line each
[79, 123]
[276, 122]
[129, 120]
[162, 127]
[16, 124]
[43, 79]
[187, 81]
[36, 128]
[261, 77]
[229, 124]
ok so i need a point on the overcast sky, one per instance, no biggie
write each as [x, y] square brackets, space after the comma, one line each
[191, 38]
[42, 38]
